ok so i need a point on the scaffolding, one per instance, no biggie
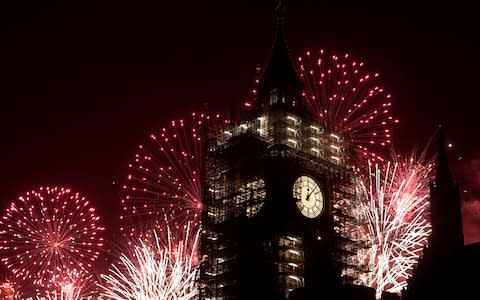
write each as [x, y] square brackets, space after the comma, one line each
[290, 263]
[287, 129]
[232, 196]
[347, 221]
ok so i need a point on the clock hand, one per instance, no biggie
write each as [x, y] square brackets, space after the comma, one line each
[308, 196]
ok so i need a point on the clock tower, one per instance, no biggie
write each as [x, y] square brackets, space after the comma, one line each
[277, 192]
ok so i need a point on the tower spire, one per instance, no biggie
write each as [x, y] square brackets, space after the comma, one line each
[279, 83]
[443, 174]
[280, 15]
[445, 206]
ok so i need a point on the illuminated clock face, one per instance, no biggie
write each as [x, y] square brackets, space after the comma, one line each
[309, 196]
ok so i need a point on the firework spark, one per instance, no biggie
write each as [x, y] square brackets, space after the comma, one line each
[394, 203]
[74, 285]
[164, 179]
[49, 232]
[7, 290]
[155, 271]
[343, 97]
[67, 291]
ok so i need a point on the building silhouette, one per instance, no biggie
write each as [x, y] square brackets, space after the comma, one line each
[277, 219]
[447, 269]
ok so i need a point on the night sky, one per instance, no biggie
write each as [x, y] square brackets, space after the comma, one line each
[85, 82]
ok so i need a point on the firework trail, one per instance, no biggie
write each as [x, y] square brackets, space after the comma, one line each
[394, 205]
[73, 286]
[164, 179]
[67, 291]
[155, 272]
[63, 295]
[48, 233]
[343, 97]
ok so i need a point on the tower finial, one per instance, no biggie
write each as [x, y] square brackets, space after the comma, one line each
[443, 173]
[279, 83]
[280, 10]
[280, 18]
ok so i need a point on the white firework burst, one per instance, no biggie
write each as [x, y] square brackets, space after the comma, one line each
[394, 205]
[155, 271]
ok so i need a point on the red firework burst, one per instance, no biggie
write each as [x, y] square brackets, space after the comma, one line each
[342, 96]
[163, 185]
[47, 233]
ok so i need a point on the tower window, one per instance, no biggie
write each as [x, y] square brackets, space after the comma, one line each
[273, 96]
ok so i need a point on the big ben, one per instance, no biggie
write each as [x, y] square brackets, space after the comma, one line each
[276, 197]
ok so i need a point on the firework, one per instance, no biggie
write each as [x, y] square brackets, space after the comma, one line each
[73, 285]
[164, 179]
[47, 233]
[151, 272]
[7, 290]
[343, 97]
[394, 205]
[61, 296]
[68, 291]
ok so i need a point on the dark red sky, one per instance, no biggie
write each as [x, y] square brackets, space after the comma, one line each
[85, 82]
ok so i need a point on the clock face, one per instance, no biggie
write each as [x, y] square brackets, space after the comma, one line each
[309, 196]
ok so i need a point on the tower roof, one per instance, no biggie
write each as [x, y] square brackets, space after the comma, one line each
[280, 73]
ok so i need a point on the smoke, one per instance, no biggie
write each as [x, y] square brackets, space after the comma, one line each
[471, 221]
[468, 174]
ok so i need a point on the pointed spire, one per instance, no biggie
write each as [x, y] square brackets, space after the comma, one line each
[279, 79]
[445, 206]
[280, 18]
[443, 176]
